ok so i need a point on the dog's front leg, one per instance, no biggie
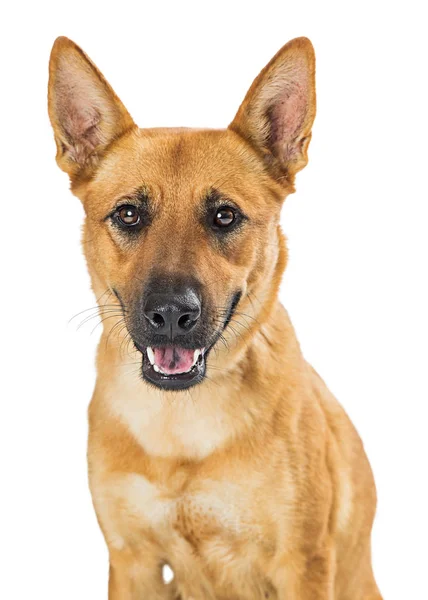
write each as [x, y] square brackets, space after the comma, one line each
[306, 577]
[137, 578]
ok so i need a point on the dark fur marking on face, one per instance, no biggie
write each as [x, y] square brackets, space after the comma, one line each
[235, 301]
[116, 293]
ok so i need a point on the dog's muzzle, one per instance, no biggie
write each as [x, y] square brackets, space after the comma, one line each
[175, 331]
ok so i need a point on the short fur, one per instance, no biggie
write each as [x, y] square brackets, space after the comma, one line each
[253, 484]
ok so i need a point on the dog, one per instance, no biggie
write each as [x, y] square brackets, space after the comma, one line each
[215, 450]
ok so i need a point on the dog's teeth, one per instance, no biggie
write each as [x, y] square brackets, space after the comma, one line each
[151, 355]
[196, 356]
[156, 368]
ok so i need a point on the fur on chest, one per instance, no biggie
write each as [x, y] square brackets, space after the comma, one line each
[208, 534]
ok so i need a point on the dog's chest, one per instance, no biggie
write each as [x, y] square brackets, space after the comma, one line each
[210, 531]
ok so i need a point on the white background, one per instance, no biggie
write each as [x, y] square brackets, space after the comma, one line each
[356, 285]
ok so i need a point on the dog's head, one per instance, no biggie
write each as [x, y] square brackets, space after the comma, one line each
[182, 225]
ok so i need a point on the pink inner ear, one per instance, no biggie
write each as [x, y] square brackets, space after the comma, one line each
[287, 114]
[79, 122]
[78, 113]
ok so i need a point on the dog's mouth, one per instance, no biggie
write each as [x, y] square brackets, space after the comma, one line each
[173, 367]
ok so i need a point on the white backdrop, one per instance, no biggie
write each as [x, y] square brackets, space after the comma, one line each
[356, 285]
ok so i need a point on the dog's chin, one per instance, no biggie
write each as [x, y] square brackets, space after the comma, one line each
[173, 368]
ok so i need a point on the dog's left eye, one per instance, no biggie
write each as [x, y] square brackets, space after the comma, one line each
[128, 216]
[224, 216]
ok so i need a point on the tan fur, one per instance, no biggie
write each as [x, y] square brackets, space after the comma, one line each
[253, 484]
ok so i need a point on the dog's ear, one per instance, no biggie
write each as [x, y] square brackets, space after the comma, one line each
[85, 113]
[278, 111]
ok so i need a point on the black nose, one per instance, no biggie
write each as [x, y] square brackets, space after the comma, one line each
[172, 315]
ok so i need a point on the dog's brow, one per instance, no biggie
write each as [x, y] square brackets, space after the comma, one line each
[213, 195]
[214, 198]
[140, 195]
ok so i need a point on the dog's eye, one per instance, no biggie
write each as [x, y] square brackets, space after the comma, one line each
[224, 216]
[128, 215]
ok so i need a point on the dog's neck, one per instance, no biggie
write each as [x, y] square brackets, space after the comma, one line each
[229, 404]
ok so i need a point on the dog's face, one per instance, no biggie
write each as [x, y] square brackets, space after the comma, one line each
[182, 225]
[179, 221]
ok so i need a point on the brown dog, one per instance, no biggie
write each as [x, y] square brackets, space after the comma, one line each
[224, 455]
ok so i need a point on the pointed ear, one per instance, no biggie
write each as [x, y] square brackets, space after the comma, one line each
[278, 111]
[85, 113]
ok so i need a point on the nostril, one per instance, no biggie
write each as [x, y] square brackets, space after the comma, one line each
[185, 321]
[158, 319]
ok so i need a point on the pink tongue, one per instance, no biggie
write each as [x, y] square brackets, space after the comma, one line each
[173, 360]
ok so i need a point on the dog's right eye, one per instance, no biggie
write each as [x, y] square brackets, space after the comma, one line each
[127, 216]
